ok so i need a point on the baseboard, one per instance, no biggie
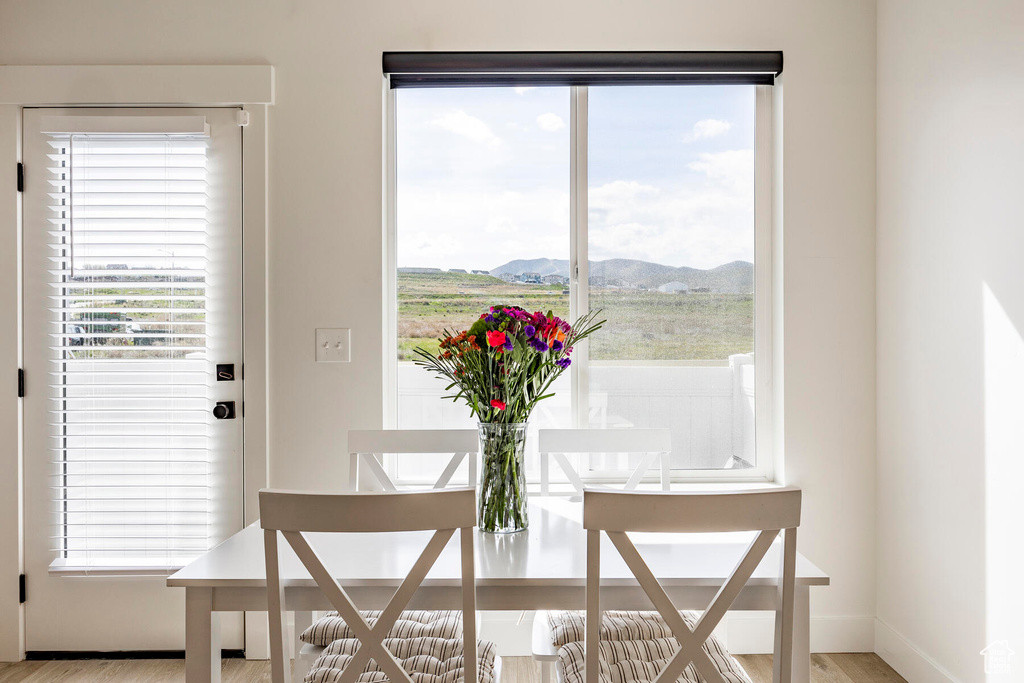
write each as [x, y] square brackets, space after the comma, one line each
[43, 655]
[753, 633]
[905, 657]
[741, 632]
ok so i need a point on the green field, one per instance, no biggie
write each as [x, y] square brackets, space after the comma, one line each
[641, 325]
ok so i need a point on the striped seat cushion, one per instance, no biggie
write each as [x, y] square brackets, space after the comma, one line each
[427, 660]
[640, 661]
[410, 624]
[568, 627]
[635, 647]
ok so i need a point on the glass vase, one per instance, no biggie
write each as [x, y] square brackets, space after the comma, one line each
[502, 503]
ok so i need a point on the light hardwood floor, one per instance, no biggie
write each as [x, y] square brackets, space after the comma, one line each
[835, 668]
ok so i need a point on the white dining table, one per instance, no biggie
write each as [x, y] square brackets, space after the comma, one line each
[543, 567]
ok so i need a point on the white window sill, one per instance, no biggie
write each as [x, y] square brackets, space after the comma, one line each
[71, 570]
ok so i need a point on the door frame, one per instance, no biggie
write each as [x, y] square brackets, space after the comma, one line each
[250, 87]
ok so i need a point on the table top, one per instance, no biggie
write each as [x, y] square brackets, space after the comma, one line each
[552, 552]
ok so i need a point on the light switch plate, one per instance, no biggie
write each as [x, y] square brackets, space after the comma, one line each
[333, 345]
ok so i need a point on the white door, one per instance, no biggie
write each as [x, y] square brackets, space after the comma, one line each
[132, 298]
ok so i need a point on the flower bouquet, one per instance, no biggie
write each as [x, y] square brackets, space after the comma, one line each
[502, 366]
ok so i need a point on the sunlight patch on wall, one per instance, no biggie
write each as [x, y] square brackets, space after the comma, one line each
[1004, 498]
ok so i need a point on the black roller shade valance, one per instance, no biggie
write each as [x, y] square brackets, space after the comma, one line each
[476, 69]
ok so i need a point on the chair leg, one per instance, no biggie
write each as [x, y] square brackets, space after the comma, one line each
[300, 665]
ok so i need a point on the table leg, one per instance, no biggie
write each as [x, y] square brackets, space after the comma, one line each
[202, 637]
[303, 620]
[802, 635]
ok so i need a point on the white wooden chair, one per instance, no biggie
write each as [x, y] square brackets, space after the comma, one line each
[559, 444]
[769, 512]
[293, 515]
[365, 446]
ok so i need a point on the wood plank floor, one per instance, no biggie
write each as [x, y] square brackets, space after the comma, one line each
[834, 668]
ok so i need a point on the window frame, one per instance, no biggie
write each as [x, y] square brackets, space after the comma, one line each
[764, 469]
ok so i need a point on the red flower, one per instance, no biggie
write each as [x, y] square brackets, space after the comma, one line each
[497, 404]
[495, 338]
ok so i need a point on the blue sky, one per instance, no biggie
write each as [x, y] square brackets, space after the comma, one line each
[483, 175]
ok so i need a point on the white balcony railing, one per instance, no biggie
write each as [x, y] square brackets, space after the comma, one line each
[709, 410]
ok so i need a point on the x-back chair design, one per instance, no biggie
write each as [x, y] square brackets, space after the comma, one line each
[558, 444]
[364, 445]
[293, 515]
[769, 512]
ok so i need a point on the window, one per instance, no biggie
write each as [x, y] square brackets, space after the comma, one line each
[648, 202]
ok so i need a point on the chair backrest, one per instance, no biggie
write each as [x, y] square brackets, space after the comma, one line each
[293, 514]
[558, 444]
[767, 511]
[365, 445]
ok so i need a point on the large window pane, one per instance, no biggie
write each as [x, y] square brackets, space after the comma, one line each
[671, 258]
[482, 217]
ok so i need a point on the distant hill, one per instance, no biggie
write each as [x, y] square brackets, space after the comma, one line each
[730, 278]
[541, 266]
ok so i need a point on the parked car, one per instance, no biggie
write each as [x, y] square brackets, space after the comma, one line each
[72, 330]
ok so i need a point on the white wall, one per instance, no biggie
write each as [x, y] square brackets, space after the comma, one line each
[950, 321]
[325, 190]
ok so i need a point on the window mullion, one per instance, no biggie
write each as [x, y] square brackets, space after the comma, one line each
[580, 275]
[389, 286]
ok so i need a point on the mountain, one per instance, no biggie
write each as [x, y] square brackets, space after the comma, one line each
[541, 266]
[736, 277]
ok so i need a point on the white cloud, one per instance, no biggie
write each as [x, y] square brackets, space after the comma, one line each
[480, 227]
[707, 128]
[703, 222]
[733, 168]
[523, 89]
[550, 122]
[700, 224]
[461, 123]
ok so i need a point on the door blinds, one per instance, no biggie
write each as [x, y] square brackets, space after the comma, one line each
[129, 380]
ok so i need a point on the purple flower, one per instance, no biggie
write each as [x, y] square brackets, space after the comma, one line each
[508, 342]
[489, 318]
[529, 331]
[538, 345]
[556, 345]
[563, 362]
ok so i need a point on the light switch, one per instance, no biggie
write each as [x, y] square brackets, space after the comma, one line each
[333, 345]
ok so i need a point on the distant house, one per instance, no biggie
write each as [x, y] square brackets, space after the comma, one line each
[420, 270]
[674, 287]
[554, 280]
[508, 277]
[456, 270]
[480, 272]
[530, 278]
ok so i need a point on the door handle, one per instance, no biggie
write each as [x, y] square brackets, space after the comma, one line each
[224, 410]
